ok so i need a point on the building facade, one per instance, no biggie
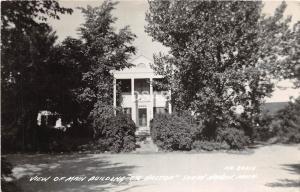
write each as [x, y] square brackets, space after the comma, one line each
[139, 96]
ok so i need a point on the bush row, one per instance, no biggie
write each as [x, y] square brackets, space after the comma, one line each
[181, 132]
[115, 133]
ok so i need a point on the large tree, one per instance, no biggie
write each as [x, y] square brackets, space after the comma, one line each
[219, 59]
[27, 43]
[105, 50]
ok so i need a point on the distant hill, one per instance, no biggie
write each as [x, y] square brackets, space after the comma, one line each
[274, 106]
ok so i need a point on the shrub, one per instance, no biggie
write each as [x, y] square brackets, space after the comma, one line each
[286, 123]
[229, 138]
[263, 131]
[180, 132]
[173, 132]
[210, 145]
[235, 138]
[54, 140]
[116, 134]
[283, 126]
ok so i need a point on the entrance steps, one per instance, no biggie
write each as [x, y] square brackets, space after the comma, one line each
[142, 131]
[146, 146]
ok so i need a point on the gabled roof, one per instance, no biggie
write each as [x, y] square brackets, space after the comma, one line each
[141, 59]
[141, 67]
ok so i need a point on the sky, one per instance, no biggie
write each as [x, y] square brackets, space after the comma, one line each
[132, 13]
[128, 12]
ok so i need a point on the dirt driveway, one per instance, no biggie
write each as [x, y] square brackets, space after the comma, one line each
[269, 168]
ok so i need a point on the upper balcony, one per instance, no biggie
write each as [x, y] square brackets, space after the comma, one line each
[142, 89]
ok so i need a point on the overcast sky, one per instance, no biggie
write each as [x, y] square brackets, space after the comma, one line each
[132, 13]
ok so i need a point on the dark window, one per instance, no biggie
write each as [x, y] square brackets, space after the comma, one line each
[142, 86]
[124, 85]
[159, 110]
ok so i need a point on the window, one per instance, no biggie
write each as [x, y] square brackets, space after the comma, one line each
[124, 85]
[142, 86]
[159, 110]
[127, 111]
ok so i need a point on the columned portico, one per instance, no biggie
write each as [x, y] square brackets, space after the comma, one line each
[139, 98]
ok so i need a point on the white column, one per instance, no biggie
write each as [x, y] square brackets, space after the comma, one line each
[115, 94]
[133, 111]
[151, 101]
[170, 105]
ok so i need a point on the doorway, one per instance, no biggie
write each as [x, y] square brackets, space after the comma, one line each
[142, 117]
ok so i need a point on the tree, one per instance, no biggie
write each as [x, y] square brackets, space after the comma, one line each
[284, 63]
[27, 41]
[27, 14]
[67, 63]
[217, 53]
[281, 40]
[105, 50]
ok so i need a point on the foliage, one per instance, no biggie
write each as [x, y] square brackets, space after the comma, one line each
[173, 132]
[28, 14]
[209, 145]
[68, 63]
[235, 138]
[27, 44]
[55, 140]
[218, 57]
[99, 114]
[40, 78]
[286, 123]
[263, 131]
[283, 126]
[115, 133]
[105, 50]
[72, 78]
[180, 131]
[100, 50]
[282, 41]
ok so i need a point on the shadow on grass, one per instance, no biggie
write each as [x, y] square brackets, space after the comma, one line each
[285, 183]
[293, 169]
[70, 165]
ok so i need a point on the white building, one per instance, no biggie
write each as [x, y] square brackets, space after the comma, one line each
[140, 98]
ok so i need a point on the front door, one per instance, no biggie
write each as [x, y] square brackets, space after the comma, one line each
[142, 117]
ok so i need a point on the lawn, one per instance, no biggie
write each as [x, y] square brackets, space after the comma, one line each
[266, 168]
